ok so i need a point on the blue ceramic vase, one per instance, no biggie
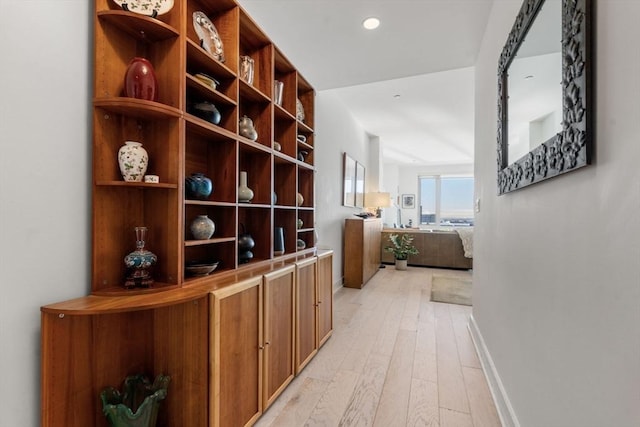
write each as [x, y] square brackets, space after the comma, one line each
[198, 187]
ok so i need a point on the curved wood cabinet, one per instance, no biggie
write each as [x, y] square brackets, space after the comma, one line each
[229, 347]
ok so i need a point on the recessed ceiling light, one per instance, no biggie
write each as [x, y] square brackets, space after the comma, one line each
[371, 23]
[528, 77]
[396, 96]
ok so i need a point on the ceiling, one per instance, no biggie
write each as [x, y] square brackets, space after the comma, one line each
[408, 82]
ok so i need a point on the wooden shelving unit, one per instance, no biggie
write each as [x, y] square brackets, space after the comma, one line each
[95, 341]
[180, 143]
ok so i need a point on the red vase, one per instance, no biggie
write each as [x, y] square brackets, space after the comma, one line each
[140, 80]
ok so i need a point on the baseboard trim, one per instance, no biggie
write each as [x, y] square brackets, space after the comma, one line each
[503, 405]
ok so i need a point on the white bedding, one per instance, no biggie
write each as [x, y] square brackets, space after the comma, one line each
[466, 235]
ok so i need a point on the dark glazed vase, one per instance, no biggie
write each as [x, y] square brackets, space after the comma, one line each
[140, 80]
[245, 244]
[206, 111]
[278, 241]
[198, 186]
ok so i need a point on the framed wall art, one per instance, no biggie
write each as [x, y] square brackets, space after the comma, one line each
[360, 170]
[408, 201]
[349, 181]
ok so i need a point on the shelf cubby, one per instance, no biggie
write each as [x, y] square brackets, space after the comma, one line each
[159, 137]
[306, 186]
[307, 237]
[307, 217]
[286, 218]
[123, 209]
[284, 182]
[106, 348]
[284, 132]
[260, 114]
[224, 218]
[224, 16]
[257, 164]
[286, 73]
[306, 95]
[256, 221]
[255, 44]
[220, 250]
[118, 45]
[196, 89]
[216, 159]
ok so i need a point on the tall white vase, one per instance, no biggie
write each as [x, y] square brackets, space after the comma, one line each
[133, 160]
[245, 194]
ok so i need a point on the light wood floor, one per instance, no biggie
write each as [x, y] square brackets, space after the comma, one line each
[395, 359]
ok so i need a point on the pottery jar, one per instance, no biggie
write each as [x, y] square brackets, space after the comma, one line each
[246, 128]
[245, 244]
[245, 194]
[202, 228]
[206, 111]
[133, 161]
[198, 186]
[140, 80]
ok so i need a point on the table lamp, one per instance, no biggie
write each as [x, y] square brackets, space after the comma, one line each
[378, 201]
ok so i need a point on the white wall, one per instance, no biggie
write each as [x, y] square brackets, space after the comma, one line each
[336, 132]
[45, 181]
[556, 278]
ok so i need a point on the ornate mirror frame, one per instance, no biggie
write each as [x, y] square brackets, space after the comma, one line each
[571, 148]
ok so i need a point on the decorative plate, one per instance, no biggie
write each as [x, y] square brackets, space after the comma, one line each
[208, 35]
[151, 8]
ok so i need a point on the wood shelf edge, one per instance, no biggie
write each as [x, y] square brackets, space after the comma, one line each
[209, 241]
[139, 26]
[125, 104]
[136, 184]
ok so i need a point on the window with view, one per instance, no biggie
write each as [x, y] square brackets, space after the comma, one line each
[446, 201]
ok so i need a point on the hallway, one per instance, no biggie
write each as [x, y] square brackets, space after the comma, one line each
[395, 359]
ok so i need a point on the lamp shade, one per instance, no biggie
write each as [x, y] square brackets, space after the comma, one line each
[377, 200]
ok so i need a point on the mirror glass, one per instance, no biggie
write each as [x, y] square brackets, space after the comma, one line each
[535, 84]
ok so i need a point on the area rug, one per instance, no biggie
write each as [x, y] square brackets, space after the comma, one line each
[452, 290]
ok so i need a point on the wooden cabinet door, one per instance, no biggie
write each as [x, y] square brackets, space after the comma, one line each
[325, 297]
[371, 248]
[306, 312]
[279, 339]
[236, 352]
